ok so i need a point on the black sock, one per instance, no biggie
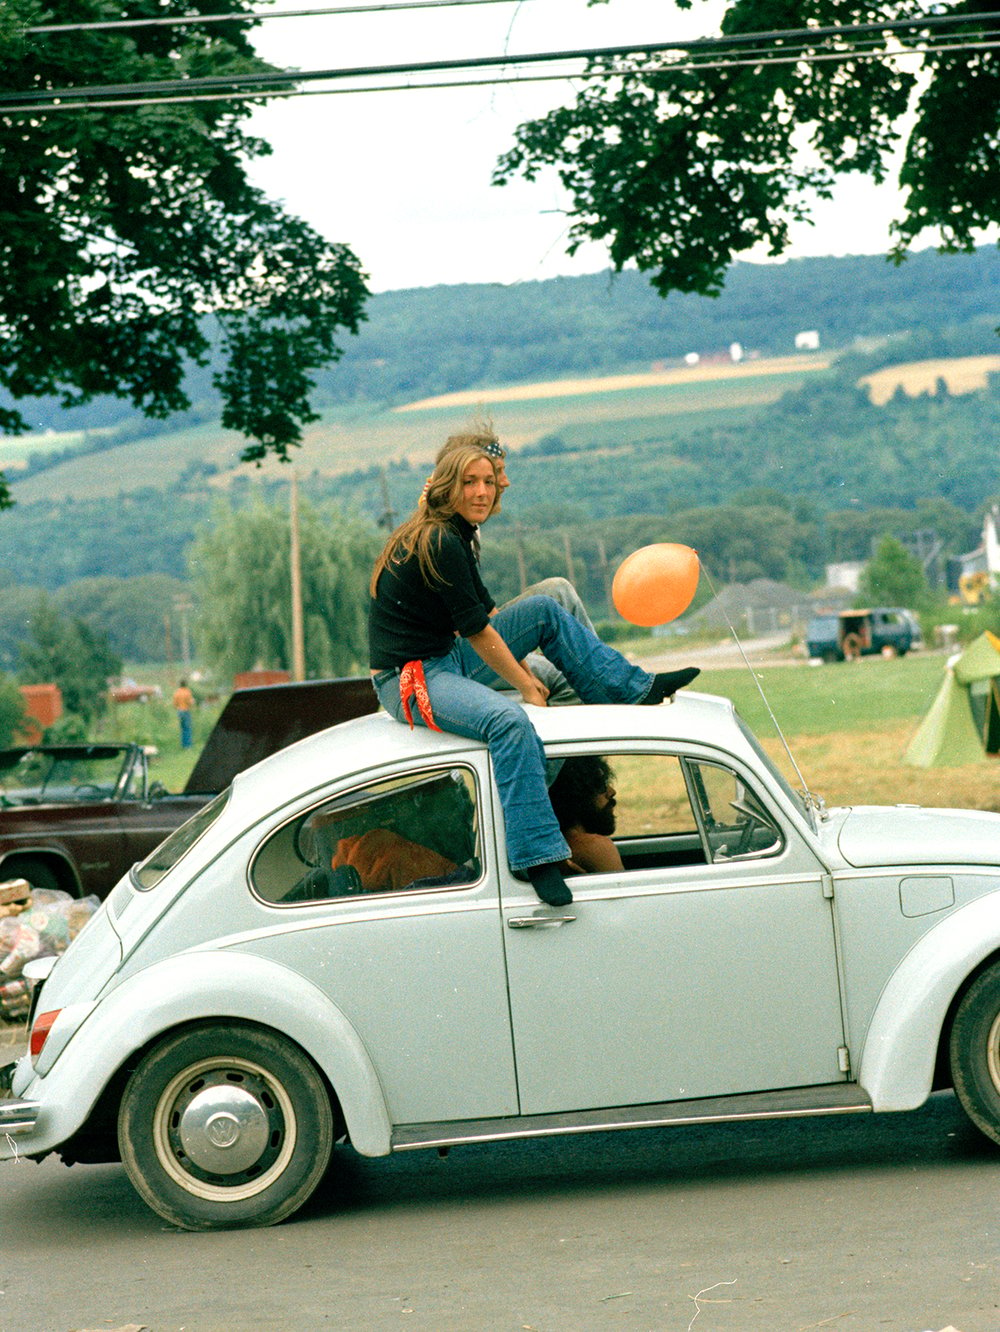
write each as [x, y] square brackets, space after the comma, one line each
[549, 884]
[666, 684]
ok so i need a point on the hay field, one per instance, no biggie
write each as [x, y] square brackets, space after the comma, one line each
[963, 374]
[862, 768]
[709, 372]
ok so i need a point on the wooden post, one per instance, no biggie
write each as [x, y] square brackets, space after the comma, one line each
[298, 638]
[570, 574]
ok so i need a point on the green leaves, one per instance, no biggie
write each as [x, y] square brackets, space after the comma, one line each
[120, 229]
[894, 577]
[241, 568]
[66, 651]
[679, 166]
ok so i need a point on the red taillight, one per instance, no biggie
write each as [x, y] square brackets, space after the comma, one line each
[40, 1031]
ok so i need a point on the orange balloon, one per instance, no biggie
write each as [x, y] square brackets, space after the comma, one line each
[655, 584]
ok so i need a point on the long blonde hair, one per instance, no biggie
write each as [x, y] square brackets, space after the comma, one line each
[421, 534]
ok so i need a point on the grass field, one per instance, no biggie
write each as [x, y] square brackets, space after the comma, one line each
[848, 726]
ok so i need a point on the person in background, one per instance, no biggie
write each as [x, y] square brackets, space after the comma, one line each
[184, 706]
[437, 639]
[583, 799]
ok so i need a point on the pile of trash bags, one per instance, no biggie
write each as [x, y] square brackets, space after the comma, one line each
[34, 922]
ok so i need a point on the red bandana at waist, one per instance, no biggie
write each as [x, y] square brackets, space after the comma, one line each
[413, 685]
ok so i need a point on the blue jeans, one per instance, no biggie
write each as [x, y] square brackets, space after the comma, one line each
[464, 701]
[562, 591]
[187, 730]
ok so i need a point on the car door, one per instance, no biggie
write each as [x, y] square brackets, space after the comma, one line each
[706, 967]
[382, 897]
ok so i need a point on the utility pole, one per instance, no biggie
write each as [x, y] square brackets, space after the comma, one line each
[570, 572]
[298, 639]
[522, 568]
[388, 515]
[602, 556]
[183, 607]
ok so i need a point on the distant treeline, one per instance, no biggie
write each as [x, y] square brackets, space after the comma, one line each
[776, 492]
[433, 340]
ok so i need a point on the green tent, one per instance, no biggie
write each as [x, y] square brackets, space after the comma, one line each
[963, 723]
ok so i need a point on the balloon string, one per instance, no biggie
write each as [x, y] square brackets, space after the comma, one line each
[774, 721]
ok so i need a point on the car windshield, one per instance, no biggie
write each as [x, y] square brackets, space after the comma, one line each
[180, 841]
[50, 776]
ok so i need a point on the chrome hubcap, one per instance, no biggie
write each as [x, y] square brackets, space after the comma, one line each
[224, 1130]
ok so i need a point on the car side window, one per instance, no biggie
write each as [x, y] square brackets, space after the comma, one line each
[404, 834]
[666, 811]
[733, 820]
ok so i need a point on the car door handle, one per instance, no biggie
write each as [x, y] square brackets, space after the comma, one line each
[537, 922]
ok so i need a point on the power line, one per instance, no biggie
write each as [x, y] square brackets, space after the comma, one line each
[805, 37]
[749, 61]
[255, 16]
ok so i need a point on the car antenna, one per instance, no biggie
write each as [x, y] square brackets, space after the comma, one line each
[813, 800]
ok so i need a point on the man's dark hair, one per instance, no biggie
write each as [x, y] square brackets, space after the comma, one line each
[579, 780]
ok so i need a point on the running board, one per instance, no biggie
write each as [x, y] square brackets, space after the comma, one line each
[839, 1098]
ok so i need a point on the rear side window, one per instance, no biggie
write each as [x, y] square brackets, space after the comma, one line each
[406, 834]
[180, 841]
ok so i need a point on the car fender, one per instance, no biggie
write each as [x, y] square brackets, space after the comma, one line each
[217, 986]
[900, 1049]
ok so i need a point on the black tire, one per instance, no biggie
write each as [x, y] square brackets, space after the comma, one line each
[38, 874]
[974, 1051]
[223, 1127]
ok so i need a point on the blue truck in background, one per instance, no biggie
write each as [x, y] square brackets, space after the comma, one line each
[885, 630]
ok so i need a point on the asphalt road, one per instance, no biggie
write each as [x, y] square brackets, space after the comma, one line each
[849, 1224]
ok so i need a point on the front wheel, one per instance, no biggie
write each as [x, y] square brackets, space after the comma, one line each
[975, 1053]
[225, 1126]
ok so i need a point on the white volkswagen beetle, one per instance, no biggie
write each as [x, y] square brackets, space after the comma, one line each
[336, 949]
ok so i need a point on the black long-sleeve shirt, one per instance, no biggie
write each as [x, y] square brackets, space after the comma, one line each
[410, 619]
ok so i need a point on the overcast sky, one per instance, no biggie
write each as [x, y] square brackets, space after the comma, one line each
[404, 177]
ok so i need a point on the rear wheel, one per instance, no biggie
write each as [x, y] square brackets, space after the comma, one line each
[38, 874]
[225, 1127]
[975, 1053]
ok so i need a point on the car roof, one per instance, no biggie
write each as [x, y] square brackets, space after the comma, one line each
[366, 744]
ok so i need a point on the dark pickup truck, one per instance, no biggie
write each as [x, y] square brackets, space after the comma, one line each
[886, 630]
[77, 817]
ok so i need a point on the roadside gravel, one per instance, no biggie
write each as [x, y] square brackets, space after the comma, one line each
[13, 1038]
